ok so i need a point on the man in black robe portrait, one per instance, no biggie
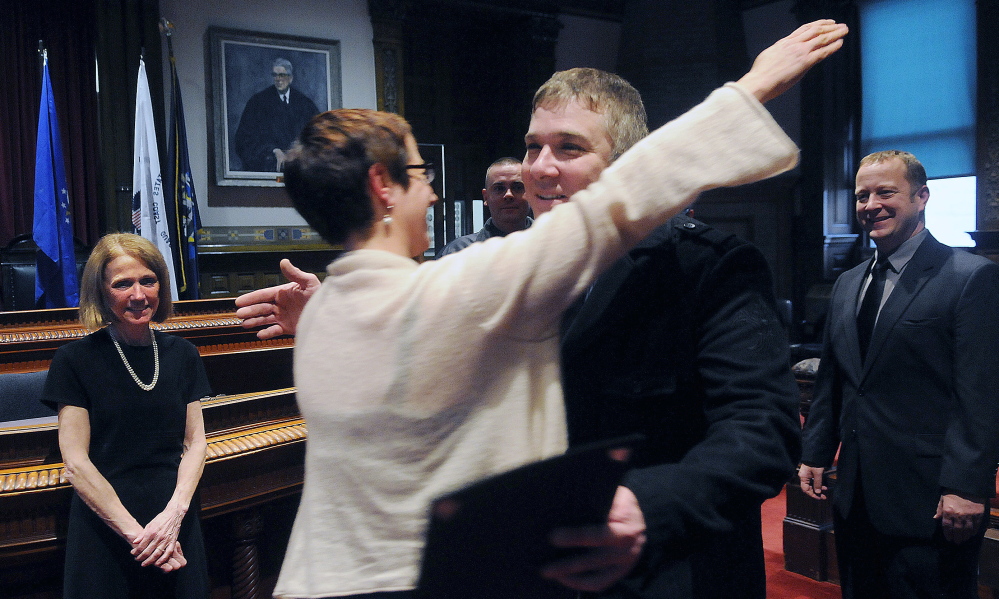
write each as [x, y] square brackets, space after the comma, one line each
[271, 121]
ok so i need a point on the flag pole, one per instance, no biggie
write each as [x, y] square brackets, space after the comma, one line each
[182, 202]
[166, 28]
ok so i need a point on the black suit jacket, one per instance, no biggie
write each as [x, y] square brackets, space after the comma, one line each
[268, 123]
[680, 341]
[920, 415]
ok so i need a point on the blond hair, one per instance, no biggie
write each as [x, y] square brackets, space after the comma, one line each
[915, 174]
[605, 93]
[95, 310]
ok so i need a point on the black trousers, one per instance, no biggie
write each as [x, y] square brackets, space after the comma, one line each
[873, 565]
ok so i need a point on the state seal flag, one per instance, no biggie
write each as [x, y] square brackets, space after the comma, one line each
[182, 202]
[149, 216]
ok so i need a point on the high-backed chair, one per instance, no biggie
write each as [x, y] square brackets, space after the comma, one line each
[20, 395]
[17, 272]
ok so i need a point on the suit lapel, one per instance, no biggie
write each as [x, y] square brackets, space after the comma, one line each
[925, 264]
[846, 324]
[590, 308]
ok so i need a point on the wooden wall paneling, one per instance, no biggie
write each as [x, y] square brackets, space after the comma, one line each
[825, 238]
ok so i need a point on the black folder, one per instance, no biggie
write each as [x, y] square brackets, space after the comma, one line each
[489, 540]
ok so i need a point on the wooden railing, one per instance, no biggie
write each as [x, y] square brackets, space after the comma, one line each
[253, 474]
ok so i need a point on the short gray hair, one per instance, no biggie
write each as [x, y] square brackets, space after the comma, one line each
[284, 62]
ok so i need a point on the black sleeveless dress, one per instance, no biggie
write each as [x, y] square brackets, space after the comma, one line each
[136, 442]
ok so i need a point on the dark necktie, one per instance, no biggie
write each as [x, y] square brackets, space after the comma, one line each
[868, 313]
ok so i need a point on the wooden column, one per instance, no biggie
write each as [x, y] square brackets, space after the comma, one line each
[675, 52]
[987, 133]
[825, 234]
[386, 21]
[246, 525]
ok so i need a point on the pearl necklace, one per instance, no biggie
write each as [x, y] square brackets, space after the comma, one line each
[156, 364]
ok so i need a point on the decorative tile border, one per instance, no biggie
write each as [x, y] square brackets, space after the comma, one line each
[262, 235]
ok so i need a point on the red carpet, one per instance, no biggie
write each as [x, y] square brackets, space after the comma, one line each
[782, 584]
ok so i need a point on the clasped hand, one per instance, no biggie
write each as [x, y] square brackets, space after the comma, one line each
[157, 545]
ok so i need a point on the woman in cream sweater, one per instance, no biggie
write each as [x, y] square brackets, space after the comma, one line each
[415, 379]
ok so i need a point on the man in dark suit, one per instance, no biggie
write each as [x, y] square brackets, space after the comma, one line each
[905, 392]
[680, 341]
[271, 121]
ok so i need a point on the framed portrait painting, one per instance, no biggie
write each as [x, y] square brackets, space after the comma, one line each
[264, 88]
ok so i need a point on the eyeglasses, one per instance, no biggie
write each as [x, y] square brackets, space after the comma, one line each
[281, 75]
[428, 170]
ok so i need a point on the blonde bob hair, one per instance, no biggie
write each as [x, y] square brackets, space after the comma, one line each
[95, 309]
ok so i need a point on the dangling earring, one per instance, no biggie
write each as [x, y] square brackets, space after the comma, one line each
[387, 219]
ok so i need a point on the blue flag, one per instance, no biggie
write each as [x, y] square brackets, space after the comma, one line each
[55, 281]
[182, 204]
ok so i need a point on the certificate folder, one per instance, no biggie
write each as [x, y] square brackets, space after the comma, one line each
[489, 540]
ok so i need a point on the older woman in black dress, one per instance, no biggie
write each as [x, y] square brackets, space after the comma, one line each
[131, 433]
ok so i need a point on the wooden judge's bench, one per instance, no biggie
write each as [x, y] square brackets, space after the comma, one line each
[253, 474]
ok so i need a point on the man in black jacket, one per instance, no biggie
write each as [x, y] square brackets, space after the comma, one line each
[680, 341]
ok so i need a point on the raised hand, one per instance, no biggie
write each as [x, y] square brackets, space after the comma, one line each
[783, 64]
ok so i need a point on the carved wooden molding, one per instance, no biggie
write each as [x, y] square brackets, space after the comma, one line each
[222, 447]
[389, 54]
[236, 445]
[30, 479]
[75, 331]
[71, 332]
[224, 348]
[247, 526]
[394, 10]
